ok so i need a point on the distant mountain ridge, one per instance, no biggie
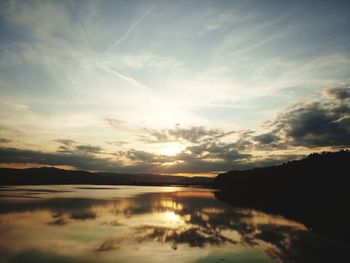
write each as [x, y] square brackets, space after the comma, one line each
[52, 175]
[314, 190]
[315, 164]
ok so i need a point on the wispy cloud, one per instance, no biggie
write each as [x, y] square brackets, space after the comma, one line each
[116, 76]
[133, 26]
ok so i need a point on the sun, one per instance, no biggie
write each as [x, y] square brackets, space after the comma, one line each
[172, 150]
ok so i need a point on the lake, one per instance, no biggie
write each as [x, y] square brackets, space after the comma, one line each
[83, 223]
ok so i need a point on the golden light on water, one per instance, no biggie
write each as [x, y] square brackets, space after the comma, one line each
[191, 223]
[170, 204]
[171, 216]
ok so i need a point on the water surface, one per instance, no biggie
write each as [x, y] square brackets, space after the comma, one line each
[148, 224]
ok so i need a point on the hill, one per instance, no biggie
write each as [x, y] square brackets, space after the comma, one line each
[51, 175]
[314, 190]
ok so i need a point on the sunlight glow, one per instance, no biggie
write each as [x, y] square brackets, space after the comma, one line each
[171, 150]
[171, 216]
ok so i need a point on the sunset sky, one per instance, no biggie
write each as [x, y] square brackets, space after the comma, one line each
[173, 87]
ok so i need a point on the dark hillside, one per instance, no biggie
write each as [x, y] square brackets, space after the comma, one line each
[50, 175]
[315, 190]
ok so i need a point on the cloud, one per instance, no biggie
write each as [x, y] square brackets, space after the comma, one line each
[206, 157]
[205, 153]
[212, 158]
[139, 157]
[70, 146]
[88, 148]
[66, 142]
[133, 26]
[66, 145]
[317, 124]
[266, 138]
[145, 60]
[142, 156]
[310, 125]
[117, 143]
[268, 141]
[155, 136]
[194, 134]
[217, 150]
[4, 140]
[80, 160]
[116, 123]
[339, 93]
[142, 162]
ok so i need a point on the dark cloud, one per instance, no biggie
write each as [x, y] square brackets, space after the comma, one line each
[217, 150]
[66, 142]
[155, 136]
[206, 157]
[244, 141]
[229, 155]
[198, 133]
[205, 154]
[66, 145]
[88, 148]
[324, 123]
[339, 93]
[266, 138]
[78, 160]
[195, 134]
[70, 146]
[268, 141]
[215, 146]
[145, 157]
[4, 140]
[315, 125]
[142, 156]
[64, 149]
[142, 162]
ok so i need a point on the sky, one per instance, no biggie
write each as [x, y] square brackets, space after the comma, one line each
[172, 87]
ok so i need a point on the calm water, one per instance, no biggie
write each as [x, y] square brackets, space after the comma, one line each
[148, 224]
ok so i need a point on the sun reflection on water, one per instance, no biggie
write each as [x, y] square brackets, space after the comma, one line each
[171, 216]
[131, 225]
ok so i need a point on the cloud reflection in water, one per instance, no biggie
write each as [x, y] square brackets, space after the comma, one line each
[188, 225]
